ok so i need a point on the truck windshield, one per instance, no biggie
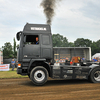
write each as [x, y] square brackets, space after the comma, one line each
[31, 39]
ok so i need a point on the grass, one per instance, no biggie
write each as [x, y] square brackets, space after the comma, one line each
[10, 74]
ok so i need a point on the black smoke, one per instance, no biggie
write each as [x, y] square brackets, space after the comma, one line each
[49, 9]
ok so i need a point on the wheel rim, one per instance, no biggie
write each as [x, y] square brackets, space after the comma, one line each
[39, 75]
[97, 76]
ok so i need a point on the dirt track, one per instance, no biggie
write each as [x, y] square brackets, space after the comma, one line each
[23, 89]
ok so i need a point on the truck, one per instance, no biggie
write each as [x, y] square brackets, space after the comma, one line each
[40, 60]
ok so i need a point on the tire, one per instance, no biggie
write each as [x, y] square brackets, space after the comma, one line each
[95, 75]
[39, 75]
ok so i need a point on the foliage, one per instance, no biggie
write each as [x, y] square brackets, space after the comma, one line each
[7, 50]
[59, 40]
[81, 42]
[0, 49]
[95, 47]
[71, 44]
[14, 49]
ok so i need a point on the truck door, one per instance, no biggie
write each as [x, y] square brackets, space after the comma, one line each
[46, 47]
[31, 47]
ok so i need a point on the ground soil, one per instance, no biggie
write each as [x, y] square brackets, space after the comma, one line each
[24, 89]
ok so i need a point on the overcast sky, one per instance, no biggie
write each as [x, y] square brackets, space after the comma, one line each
[73, 18]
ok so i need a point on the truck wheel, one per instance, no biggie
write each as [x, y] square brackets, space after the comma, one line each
[95, 75]
[39, 75]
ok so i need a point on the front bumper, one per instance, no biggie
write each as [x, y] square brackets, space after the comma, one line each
[19, 71]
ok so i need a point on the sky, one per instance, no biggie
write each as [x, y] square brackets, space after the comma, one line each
[73, 18]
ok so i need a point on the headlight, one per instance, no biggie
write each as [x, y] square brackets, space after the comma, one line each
[19, 65]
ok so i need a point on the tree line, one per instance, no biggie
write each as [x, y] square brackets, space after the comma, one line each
[10, 51]
[61, 41]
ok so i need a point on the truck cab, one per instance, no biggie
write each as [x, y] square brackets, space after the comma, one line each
[30, 53]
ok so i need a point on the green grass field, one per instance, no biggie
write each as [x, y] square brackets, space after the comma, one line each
[10, 74]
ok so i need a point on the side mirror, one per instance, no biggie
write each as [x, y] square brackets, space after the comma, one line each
[18, 35]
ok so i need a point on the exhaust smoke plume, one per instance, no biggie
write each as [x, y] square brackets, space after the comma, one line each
[49, 6]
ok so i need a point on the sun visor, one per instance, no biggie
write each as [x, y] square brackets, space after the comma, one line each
[37, 28]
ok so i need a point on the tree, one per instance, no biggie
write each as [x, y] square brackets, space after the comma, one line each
[64, 42]
[14, 49]
[59, 41]
[98, 45]
[95, 47]
[81, 42]
[0, 49]
[7, 50]
[71, 44]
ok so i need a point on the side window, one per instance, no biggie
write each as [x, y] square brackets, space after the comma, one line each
[45, 39]
[31, 39]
